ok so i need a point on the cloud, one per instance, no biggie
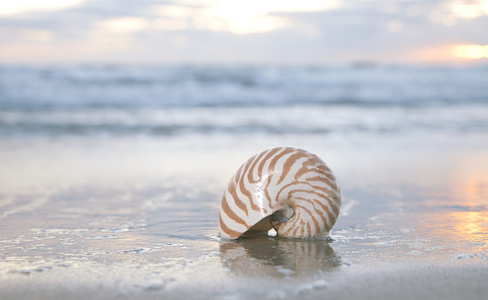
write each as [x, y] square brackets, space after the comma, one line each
[12, 8]
[147, 31]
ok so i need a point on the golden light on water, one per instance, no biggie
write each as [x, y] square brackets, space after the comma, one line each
[470, 51]
[462, 224]
[472, 189]
[471, 225]
[461, 214]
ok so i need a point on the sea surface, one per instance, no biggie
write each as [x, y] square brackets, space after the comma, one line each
[111, 178]
[233, 100]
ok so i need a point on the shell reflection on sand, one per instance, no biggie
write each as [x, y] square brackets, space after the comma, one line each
[278, 257]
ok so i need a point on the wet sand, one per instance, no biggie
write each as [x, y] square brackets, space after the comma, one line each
[137, 218]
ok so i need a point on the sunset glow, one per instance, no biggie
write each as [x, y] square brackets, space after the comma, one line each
[469, 10]
[305, 31]
[471, 51]
[124, 25]
[251, 16]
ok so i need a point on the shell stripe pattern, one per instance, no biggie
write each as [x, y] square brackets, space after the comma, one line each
[277, 179]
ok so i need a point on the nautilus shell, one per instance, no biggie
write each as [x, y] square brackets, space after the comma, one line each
[288, 189]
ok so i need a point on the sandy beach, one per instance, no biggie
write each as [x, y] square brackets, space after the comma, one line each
[121, 200]
[78, 224]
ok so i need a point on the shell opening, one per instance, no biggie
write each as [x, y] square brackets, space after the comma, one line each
[283, 215]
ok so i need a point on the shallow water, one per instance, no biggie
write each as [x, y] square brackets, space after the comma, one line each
[119, 198]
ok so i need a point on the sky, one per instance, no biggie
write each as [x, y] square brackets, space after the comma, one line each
[247, 31]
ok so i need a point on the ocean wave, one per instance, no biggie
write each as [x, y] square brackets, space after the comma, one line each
[135, 87]
[237, 120]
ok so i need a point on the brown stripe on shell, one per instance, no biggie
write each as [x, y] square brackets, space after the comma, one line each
[333, 204]
[266, 193]
[292, 225]
[320, 191]
[316, 224]
[270, 172]
[287, 232]
[334, 208]
[231, 214]
[275, 159]
[271, 153]
[322, 210]
[247, 193]
[237, 200]
[244, 169]
[320, 188]
[329, 215]
[305, 167]
[294, 232]
[325, 171]
[232, 233]
[250, 172]
[269, 178]
[290, 161]
[298, 189]
[332, 184]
